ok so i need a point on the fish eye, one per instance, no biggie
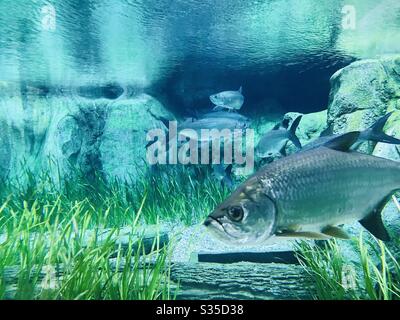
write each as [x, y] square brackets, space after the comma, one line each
[236, 213]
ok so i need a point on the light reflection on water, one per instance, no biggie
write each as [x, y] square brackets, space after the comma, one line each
[140, 41]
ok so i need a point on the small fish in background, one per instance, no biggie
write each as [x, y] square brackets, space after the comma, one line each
[225, 115]
[191, 128]
[309, 195]
[231, 100]
[224, 175]
[374, 133]
[275, 141]
[210, 123]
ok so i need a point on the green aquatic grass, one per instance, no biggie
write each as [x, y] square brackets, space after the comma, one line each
[44, 223]
[173, 194]
[336, 279]
[325, 265]
[60, 255]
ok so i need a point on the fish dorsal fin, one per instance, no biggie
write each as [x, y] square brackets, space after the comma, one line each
[373, 222]
[380, 124]
[285, 123]
[240, 89]
[276, 127]
[327, 132]
[343, 142]
[375, 132]
[228, 170]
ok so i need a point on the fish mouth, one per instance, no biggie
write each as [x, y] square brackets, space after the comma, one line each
[209, 221]
[215, 101]
[218, 226]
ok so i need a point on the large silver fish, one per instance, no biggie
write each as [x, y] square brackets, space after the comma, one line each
[231, 100]
[309, 194]
[274, 142]
[374, 133]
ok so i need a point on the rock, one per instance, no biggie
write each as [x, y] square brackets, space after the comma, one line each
[122, 147]
[100, 135]
[28, 125]
[311, 125]
[362, 93]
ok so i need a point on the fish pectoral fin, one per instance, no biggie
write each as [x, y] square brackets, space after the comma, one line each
[335, 232]
[302, 234]
[374, 224]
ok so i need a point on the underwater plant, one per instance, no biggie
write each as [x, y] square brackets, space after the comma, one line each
[66, 244]
[183, 198]
[59, 238]
[336, 279]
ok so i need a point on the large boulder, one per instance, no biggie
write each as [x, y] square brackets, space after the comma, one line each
[27, 130]
[311, 125]
[122, 147]
[362, 93]
[62, 134]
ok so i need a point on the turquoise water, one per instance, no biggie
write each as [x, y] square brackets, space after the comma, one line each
[83, 81]
[138, 42]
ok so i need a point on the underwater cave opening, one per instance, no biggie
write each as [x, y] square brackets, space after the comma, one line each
[274, 88]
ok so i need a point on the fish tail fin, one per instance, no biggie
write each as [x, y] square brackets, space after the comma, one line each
[295, 140]
[292, 132]
[295, 124]
[375, 132]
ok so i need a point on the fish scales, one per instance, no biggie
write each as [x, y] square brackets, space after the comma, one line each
[305, 186]
[309, 194]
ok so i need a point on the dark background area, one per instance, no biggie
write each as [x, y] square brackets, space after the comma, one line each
[279, 87]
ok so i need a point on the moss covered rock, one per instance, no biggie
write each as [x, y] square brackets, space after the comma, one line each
[362, 93]
[91, 135]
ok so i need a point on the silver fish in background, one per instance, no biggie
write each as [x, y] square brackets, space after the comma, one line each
[191, 128]
[225, 115]
[209, 124]
[374, 133]
[231, 100]
[308, 195]
[275, 141]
